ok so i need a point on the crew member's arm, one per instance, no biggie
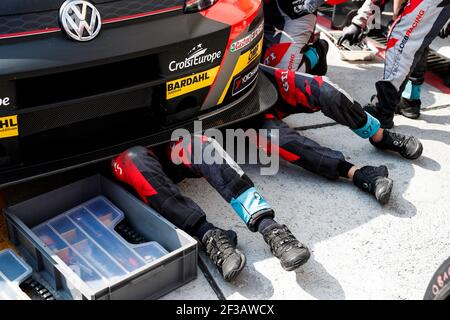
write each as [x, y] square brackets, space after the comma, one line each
[355, 32]
[367, 12]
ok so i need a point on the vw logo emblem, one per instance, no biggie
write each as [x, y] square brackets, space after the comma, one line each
[80, 20]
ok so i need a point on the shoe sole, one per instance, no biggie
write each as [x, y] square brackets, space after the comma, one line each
[236, 272]
[410, 115]
[416, 154]
[297, 263]
[385, 196]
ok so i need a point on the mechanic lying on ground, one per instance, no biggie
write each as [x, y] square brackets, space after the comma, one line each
[141, 169]
[418, 23]
[287, 50]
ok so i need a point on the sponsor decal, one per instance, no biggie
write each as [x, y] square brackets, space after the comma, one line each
[244, 81]
[270, 58]
[192, 83]
[243, 43]
[393, 42]
[286, 84]
[291, 61]
[411, 29]
[276, 53]
[254, 53]
[80, 20]
[4, 102]
[196, 57]
[284, 80]
[9, 127]
[244, 61]
[117, 168]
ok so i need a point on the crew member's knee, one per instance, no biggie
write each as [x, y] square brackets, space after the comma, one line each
[130, 157]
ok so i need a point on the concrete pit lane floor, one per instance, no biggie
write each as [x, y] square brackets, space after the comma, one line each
[360, 250]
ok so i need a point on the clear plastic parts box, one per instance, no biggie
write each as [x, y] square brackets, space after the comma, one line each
[68, 237]
[12, 272]
[85, 240]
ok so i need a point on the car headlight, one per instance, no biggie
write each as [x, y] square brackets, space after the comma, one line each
[197, 5]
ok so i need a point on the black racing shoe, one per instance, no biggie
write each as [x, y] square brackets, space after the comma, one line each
[286, 247]
[375, 181]
[409, 108]
[220, 247]
[386, 120]
[321, 68]
[408, 147]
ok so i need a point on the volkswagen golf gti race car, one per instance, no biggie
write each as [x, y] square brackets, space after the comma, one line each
[81, 81]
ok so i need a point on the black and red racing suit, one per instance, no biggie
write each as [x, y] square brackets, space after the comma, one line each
[153, 174]
[289, 26]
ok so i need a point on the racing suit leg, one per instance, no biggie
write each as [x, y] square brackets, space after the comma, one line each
[301, 151]
[206, 158]
[410, 101]
[286, 39]
[412, 33]
[416, 79]
[302, 92]
[140, 168]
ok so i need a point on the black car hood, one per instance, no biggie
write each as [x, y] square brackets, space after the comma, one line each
[13, 7]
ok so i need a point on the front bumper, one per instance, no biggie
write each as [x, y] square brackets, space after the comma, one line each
[69, 103]
[260, 98]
